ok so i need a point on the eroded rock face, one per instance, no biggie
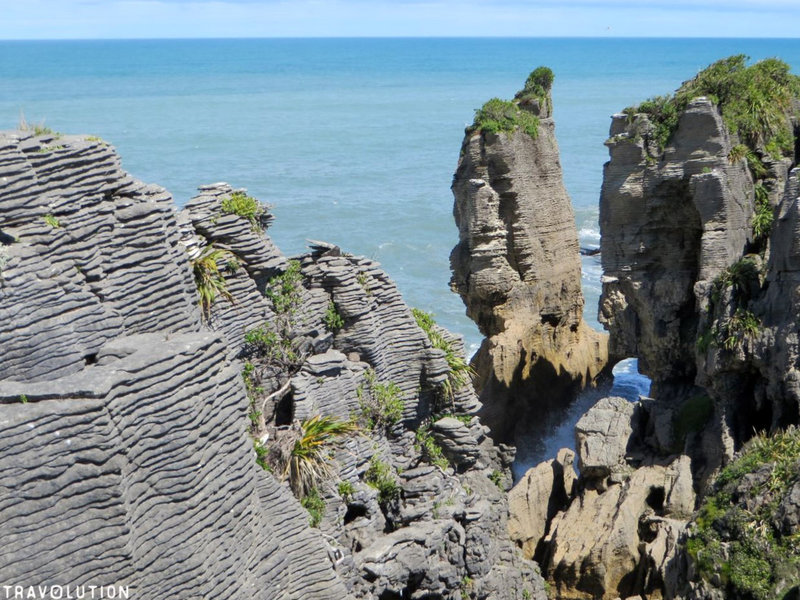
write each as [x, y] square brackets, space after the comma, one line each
[709, 306]
[125, 451]
[542, 492]
[125, 455]
[517, 269]
[667, 224]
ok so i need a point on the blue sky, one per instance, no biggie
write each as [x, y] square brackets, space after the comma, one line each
[50, 19]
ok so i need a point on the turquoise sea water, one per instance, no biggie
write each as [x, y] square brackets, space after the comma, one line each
[352, 141]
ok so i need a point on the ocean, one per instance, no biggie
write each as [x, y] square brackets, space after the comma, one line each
[352, 141]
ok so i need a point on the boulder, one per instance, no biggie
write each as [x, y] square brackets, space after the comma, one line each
[601, 437]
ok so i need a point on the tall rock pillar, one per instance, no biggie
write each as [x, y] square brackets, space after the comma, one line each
[517, 263]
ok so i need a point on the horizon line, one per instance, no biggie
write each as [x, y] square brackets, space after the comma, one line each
[395, 37]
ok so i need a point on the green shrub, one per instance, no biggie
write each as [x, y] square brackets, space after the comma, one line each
[753, 100]
[333, 320]
[460, 372]
[538, 86]
[265, 342]
[735, 543]
[431, 452]
[496, 477]
[498, 116]
[315, 506]
[381, 403]
[246, 207]
[346, 490]
[763, 216]
[285, 290]
[209, 281]
[381, 477]
[664, 114]
[52, 221]
[23, 399]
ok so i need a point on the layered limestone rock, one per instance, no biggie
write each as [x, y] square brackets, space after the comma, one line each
[125, 458]
[425, 527]
[125, 454]
[517, 264]
[698, 247]
[667, 224]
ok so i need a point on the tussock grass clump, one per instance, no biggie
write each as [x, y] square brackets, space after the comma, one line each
[309, 460]
[763, 216]
[208, 279]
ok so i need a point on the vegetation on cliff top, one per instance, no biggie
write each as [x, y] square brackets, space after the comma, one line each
[246, 207]
[498, 115]
[753, 100]
[537, 86]
[739, 542]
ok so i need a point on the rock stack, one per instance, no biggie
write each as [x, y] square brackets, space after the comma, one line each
[517, 263]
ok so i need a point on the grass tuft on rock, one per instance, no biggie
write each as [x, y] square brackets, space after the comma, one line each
[461, 373]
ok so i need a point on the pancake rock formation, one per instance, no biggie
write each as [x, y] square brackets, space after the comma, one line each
[517, 263]
[690, 494]
[189, 413]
